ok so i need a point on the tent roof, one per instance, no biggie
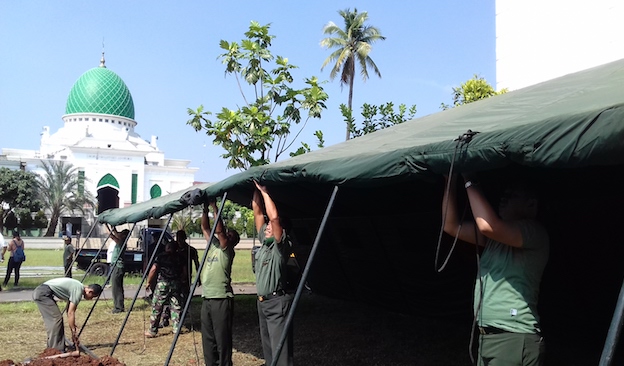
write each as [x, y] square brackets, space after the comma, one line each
[382, 234]
[569, 122]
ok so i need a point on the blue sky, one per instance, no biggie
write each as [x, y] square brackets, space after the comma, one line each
[167, 54]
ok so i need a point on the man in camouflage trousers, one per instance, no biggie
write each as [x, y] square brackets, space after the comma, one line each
[168, 271]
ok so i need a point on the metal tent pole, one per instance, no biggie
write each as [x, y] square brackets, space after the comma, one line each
[138, 291]
[192, 291]
[614, 331]
[304, 277]
[82, 247]
[123, 247]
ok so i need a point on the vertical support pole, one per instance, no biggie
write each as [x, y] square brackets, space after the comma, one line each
[78, 252]
[123, 247]
[138, 291]
[614, 331]
[192, 291]
[304, 277]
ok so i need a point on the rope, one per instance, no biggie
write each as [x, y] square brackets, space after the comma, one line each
[461, 141]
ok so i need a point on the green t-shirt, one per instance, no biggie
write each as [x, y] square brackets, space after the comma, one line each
[66, 289]
[510, 278]
[118, 255]
[216, 274]
[271, 263]
[67, 253]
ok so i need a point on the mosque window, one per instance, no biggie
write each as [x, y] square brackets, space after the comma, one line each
[80, 119]
[100, 120]
[119, 122]
[155, 191]
[105, 120]
[135, 180]
[93, 119]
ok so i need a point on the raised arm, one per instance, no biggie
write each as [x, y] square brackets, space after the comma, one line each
[205, 223]
[257, 204]
[219, 228]
[271, 212]
[487, 220]
[465, 230]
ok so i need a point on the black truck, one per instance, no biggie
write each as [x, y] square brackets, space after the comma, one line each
[135, 261]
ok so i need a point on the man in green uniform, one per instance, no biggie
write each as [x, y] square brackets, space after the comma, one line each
[217, 312]
[117, 274]
[274, 301]
[511, 268]
[65, 289]
[165, 277]
[68, 254]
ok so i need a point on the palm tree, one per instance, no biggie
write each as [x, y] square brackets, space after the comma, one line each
[352, 43]
[62, 192]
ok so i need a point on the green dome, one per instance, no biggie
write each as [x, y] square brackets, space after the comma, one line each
[100, 90]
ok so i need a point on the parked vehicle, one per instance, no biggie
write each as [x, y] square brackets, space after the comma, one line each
[135, 261]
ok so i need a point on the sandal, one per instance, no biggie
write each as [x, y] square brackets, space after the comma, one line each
[149, 334]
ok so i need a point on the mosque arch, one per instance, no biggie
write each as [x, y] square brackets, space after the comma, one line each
[107, 193]
[155, 191]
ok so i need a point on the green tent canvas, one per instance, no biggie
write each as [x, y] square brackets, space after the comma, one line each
[380, 244]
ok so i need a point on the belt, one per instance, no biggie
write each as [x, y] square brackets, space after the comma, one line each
[272, 295]
[491, 330]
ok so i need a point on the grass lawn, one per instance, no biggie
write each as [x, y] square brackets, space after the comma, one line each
[327, 332]
[241, 268]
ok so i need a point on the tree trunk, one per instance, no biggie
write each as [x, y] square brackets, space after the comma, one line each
[350, 103]
[53, 222]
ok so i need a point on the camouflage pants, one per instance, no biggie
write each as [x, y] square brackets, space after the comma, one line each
[166, 292]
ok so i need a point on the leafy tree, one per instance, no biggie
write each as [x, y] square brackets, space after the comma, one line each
[190, 222]
[472, 90]
[59, 191]
[353, 43]
[25, 219]
[17, 192]
[41, 220]
[10, 221]
[377, 117]
[260, 131]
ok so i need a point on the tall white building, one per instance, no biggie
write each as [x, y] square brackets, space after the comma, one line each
[98, 137]
[539, 40]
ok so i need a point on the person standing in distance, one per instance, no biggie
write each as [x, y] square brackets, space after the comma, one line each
[68, 254]
[16, 258]
[511, 268]
[217, 312]
[273, 301]
[3, 248]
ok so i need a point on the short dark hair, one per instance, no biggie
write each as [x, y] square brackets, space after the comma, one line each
[181, 234]
[97, 289]
[234, 236]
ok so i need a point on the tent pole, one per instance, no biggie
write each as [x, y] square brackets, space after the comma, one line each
[90, 264]
[614, 331]
[123, 247]
[85, 243]
[304, 277]
[138, 291]
[192, 291]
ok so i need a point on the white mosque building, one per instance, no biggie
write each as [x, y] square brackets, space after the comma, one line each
[98, 138]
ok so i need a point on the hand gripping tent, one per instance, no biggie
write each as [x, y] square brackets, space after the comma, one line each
[380, 240]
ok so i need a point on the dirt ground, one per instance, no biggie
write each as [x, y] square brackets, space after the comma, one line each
[46, 358]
